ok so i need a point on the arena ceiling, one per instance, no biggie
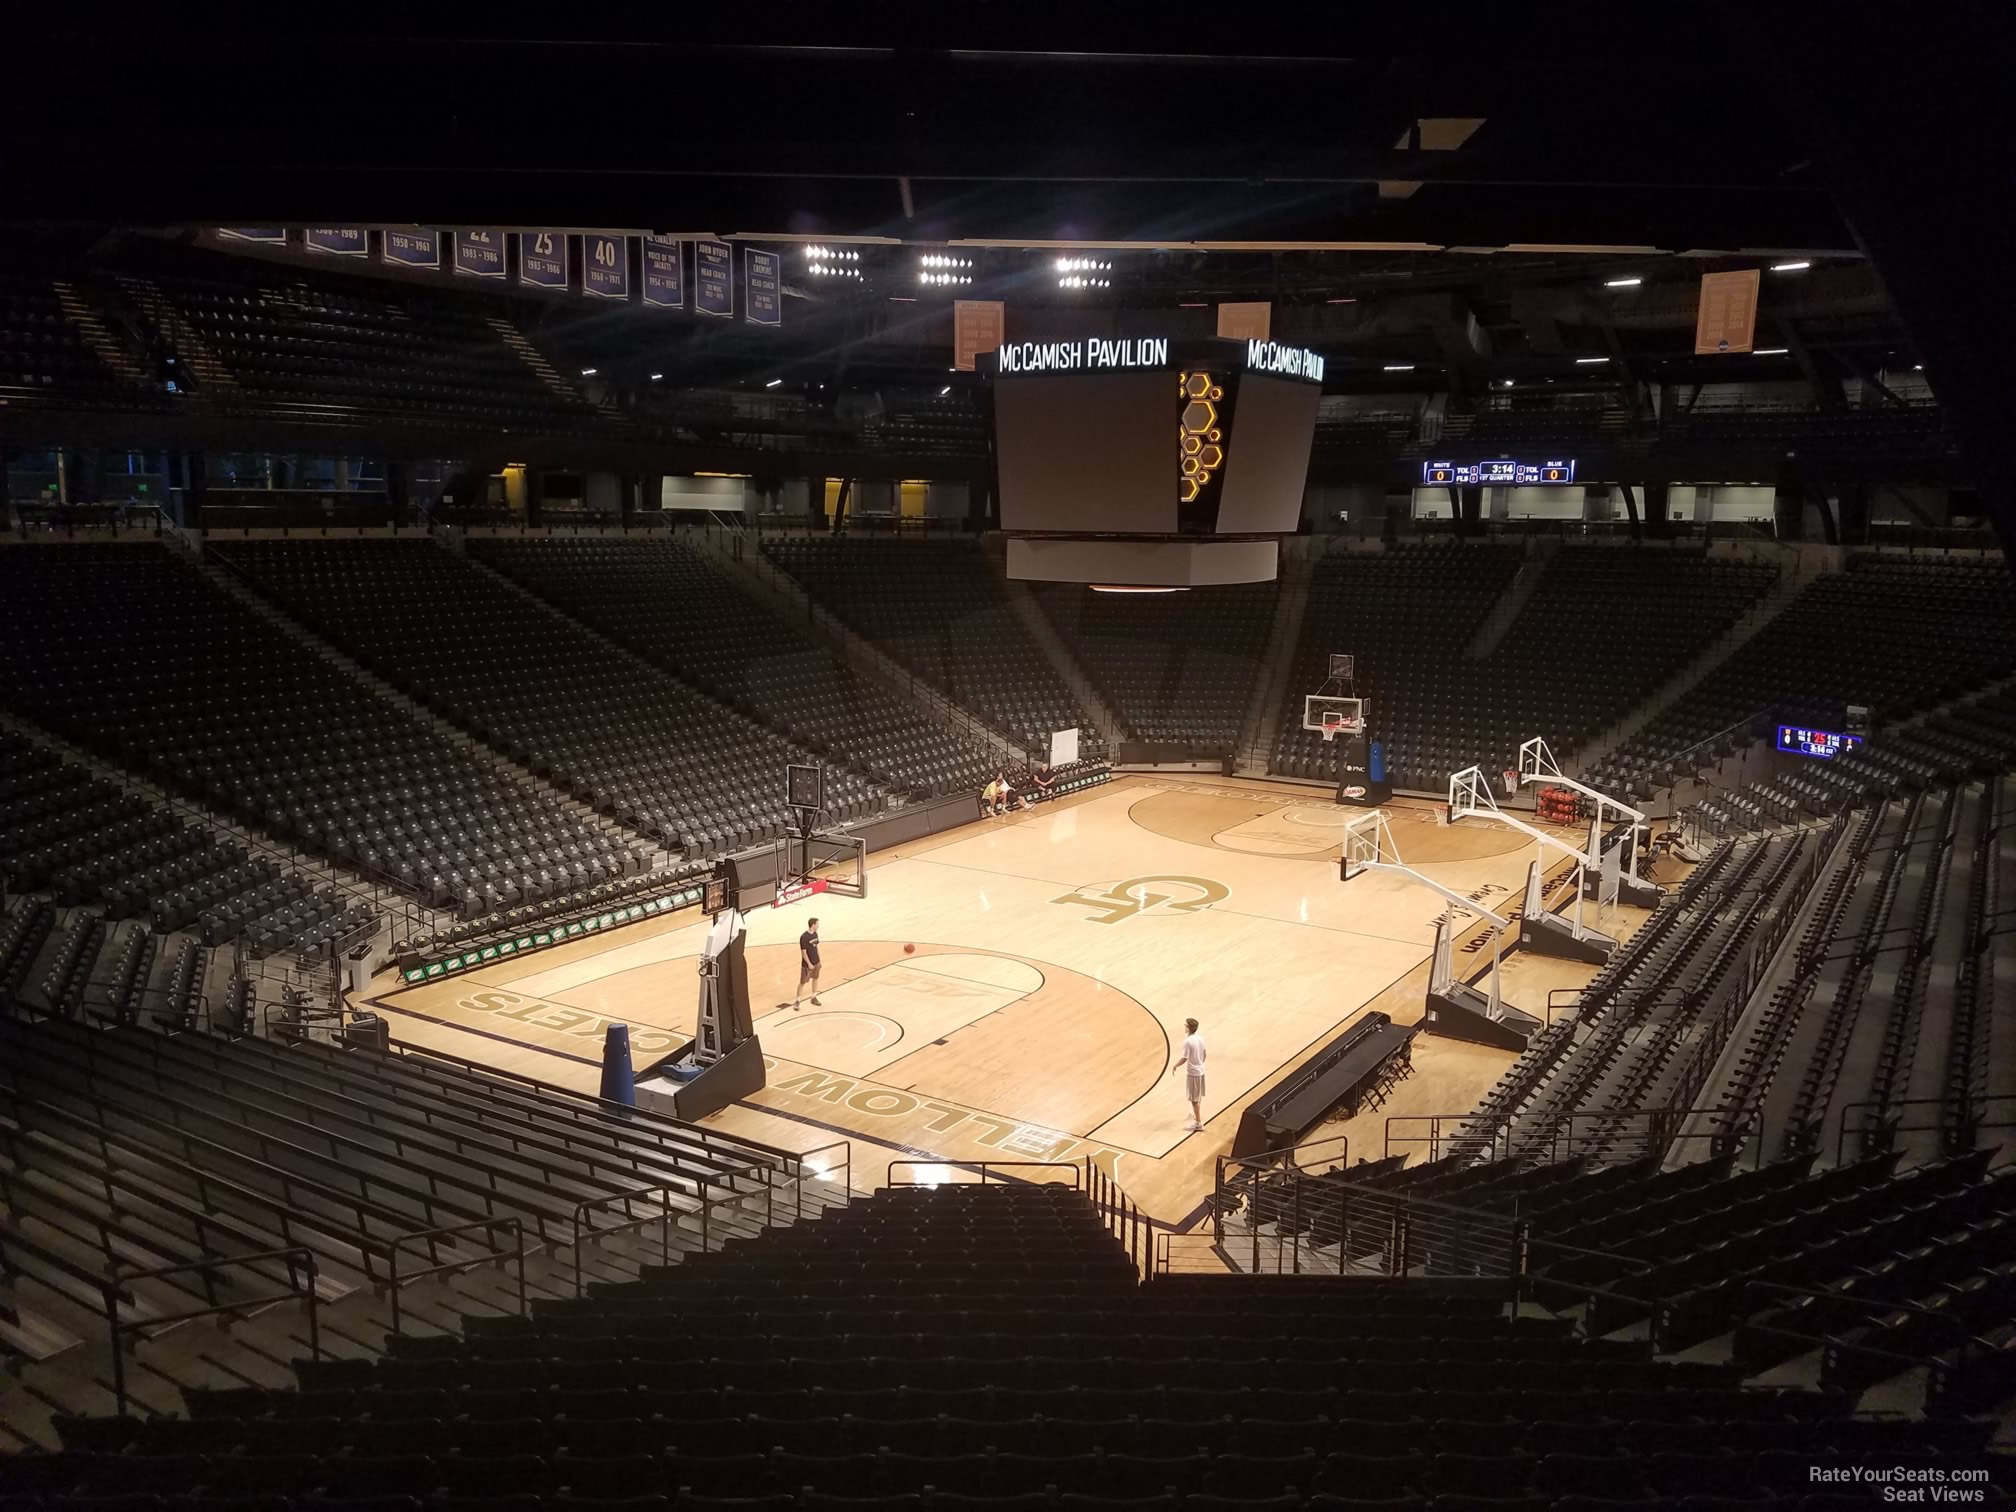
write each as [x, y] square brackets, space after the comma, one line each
[1266, 139]
[1257, 125]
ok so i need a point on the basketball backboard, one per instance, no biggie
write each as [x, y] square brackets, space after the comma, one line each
[1331, 716]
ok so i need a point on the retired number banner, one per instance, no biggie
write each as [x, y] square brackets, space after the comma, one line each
[411, 248]
[480, 254]
[605, 266]
[337, 241]
[542, 259]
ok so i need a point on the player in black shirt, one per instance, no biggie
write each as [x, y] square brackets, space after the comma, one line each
[808, 964]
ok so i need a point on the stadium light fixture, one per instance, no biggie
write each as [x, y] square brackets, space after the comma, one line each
[1590, 361]
[1798, 266]
[944, 391]
[1770, 351]
[773, 383]
[656, 376]
[587, 372]
[1398, 367]
[1622, 283]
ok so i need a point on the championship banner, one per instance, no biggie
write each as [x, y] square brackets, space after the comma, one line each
[272, 236]
[410, 249]
[1726, 318]
[664, 273]
[1245, 322]
[542, 259]
[605, 266]
[762, 289]
[480, 254]
[714, 278]
[338, 241]
[978, 325]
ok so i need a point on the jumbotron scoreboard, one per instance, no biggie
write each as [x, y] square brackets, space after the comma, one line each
[1147, 461]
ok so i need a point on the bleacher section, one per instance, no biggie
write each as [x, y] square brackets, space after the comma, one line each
[41, 353]
[1893, 634]
[1889, 1029]
[989, 1346]
[84, 842]
[125, 1151]
[1976, 737]
[665, 603]
[938, 608]
[1407, 615]
[618, 735]
[1178, 669]
[1603, 626]
[356, 348]
[1647, 1031]
[137, 657]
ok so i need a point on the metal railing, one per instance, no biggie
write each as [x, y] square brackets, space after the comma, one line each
[662, 1190]
[984, 1169]
[432, 1237]
[1962, 1348]
[589, 1107]
[1123, 1218]
[302, 1277]
[845, 1165]
[1879, 1127]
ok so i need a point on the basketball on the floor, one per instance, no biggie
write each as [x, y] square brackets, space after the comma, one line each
[909, 950]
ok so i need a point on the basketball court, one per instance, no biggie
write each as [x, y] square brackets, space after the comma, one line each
[1058, 952]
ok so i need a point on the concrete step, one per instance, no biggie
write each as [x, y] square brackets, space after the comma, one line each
[737, 558]
[1022, 599]
[1261, 727]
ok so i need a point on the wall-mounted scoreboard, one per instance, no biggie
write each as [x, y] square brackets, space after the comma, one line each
[1499, 472]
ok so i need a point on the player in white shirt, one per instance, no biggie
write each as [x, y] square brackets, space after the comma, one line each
[1190, 1061]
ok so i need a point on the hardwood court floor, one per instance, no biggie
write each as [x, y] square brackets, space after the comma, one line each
[1058, 953]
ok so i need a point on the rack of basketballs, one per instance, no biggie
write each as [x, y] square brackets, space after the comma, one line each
[1560, 805]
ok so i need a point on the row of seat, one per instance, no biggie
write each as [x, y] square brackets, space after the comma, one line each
[938, 608]
[618, 734]
[137, 656]
[664, 602]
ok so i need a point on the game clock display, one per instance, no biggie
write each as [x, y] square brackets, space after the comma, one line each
[1797, 740]
[1501, 472]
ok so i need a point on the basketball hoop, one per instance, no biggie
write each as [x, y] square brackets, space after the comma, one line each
[1331, 726]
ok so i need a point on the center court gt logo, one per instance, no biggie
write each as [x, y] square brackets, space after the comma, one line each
[1141, 895]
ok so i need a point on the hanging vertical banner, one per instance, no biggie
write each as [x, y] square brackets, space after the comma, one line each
[605, 266]
[271, 235]
[480, 254]
[664, 273]
[714, 278]
[411, 248]
[1726, 318]
[542, 259]
[337, 241]
[978, 325]
[762, 287]
[1245, 322]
